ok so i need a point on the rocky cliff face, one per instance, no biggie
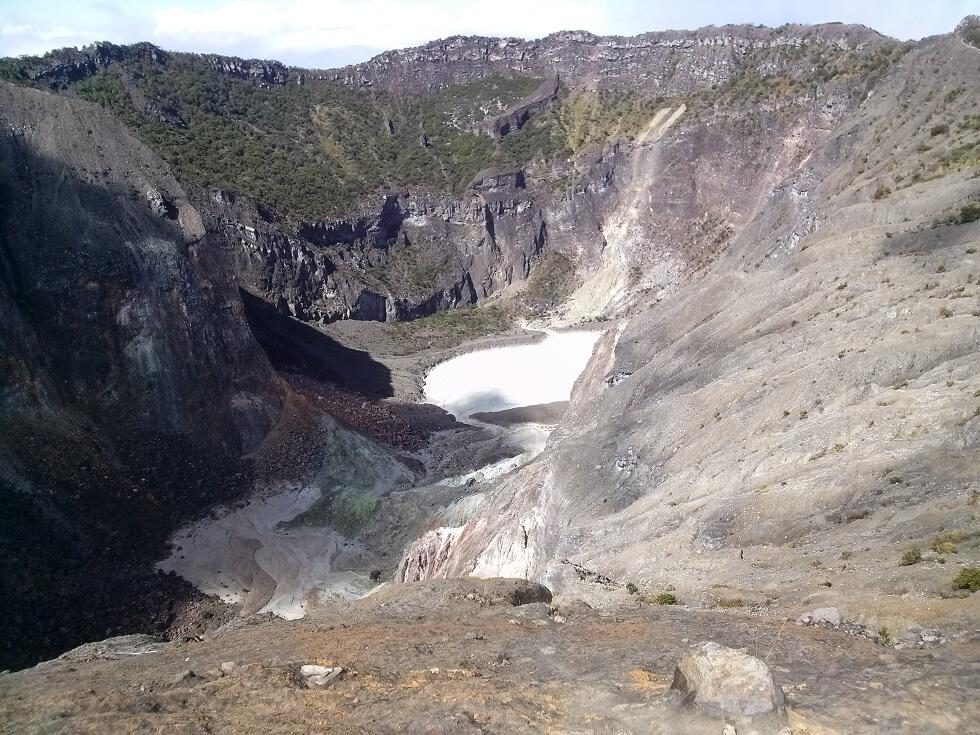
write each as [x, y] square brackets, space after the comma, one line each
[417, 254]
[668, 62]
[418, 239]
[587, 206]
[131, 385]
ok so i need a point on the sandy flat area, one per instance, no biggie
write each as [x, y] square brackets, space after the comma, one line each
[248, 556]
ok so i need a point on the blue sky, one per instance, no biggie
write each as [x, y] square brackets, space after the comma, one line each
[334, 32]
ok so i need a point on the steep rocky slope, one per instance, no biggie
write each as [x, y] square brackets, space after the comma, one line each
[779, 429]
[131, 385]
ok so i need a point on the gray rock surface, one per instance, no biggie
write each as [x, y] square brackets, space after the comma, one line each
[803, 394]
[723, 681]
[820, 616]
[136, 644]
[318, 677]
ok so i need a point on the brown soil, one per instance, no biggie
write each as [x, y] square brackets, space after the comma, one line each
[454, 657]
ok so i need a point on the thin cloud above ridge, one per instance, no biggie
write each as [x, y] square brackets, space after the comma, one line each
[335, 32]
[302, 26]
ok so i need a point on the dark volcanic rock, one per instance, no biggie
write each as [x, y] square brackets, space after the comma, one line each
[263, 72]
[130, 384]
[417, 253]
[514, 117]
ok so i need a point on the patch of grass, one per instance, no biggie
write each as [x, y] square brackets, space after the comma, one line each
[350, 510]
[732, 603]
[969, 122]
[663, 598]
[945, 542]
[884, 636]
[549, 284]
[968, 578]
[449, 328]
[910, 557]
[590, 118]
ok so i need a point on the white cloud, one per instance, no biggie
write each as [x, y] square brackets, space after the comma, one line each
[302, 26]
[336, 32]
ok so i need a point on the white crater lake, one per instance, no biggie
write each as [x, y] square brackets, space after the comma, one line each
[510, 376]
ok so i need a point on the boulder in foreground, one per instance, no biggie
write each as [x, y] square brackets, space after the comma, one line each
[723, 681]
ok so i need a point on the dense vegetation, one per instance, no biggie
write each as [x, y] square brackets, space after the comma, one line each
[971, 35]
[310, 150]
[317, 149]
[413, 268]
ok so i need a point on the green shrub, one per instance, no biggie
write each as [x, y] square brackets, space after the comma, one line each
[910, 557]
[350, 510]
[884, 636]
[632, 588]
[972, 36]
[945, 542]
[664, 598]
[968, 578]
[881, 192]
[940, 129]
[448, 328]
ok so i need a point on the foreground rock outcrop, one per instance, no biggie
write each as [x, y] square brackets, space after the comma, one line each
[722, 681]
